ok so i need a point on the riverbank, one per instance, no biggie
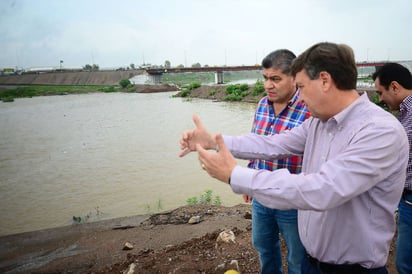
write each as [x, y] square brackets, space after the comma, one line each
[167, 242]
[161, 243]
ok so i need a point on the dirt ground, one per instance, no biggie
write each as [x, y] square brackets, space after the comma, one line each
[160, 243]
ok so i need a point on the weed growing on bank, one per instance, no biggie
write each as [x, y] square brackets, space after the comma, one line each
[205, 198]
[158, 207]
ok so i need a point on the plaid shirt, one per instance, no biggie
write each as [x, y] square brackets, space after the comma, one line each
[266, 123]
[405, 117]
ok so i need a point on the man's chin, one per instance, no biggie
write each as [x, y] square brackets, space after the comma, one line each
[273, 99]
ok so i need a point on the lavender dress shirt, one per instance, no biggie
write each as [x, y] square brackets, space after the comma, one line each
[353, 174]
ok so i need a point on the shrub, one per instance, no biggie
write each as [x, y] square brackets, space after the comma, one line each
[124, 83]
[185, 93]
[194, 85]
[236, 92]
[258, 88]
[244, 87]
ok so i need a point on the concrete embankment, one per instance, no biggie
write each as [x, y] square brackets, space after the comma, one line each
[97, 78]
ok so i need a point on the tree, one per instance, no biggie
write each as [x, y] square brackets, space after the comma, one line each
[196, 65]
[167, 64]
[132, 66]
[181, 66]
[87, 67]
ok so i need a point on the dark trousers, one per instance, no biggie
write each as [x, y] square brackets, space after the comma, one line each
[313, 266]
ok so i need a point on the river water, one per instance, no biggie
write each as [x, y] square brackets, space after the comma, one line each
[100, 156]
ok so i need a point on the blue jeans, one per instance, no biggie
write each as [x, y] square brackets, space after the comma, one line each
[310, 268]
[266, 225]
[404, 240]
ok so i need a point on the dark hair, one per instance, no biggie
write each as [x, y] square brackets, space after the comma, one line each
[336, 59]
[393, 72]
[279, 59]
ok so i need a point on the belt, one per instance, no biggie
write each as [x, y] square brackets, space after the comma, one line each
[338, 268]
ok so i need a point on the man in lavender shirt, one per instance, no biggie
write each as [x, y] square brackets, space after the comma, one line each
[353, 170]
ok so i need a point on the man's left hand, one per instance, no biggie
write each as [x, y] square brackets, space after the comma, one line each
[219, 165]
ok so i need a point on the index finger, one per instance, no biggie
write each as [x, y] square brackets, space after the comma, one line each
[197, 121]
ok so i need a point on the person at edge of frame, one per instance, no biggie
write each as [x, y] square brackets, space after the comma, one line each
[393, 84]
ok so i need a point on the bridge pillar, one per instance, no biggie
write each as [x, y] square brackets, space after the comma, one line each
[219, 77]
[155, 78]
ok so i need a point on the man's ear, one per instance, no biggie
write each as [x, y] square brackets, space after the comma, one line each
[325, 79]
[396, 87]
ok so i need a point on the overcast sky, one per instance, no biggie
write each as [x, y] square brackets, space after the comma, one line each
[40, 33]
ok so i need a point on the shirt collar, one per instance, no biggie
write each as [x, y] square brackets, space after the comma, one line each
[406, 103]
[341, 116]
[294, 98]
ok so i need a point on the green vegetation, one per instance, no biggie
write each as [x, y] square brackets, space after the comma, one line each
[194, 85]
[236, 92]
[258, 88]
[109, 89]
[127, 85]
[205, 199]
[375, 99]
[124, 83]
[187, 89]
[9, 95]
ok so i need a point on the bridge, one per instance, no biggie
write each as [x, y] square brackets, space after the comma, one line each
[155, 74]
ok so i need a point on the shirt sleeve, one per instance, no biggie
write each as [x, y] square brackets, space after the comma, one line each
[285, 144]
[357, 164]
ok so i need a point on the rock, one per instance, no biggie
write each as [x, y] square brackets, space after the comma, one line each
[130, 269]
[194, 220]
[226, 236]
[127, 246]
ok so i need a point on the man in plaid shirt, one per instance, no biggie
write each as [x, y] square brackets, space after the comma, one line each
[280, 110]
